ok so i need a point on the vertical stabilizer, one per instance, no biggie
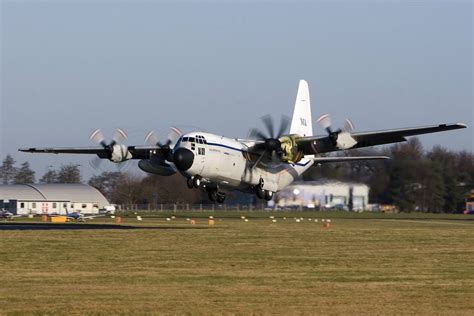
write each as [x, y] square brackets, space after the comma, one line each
[301, 123]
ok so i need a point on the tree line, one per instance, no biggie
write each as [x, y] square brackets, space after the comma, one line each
[11, 174]
[415, 179]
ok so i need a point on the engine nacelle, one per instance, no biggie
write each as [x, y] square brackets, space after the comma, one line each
[345, 141]
[120, 153]
[291, 152]
[156, 167]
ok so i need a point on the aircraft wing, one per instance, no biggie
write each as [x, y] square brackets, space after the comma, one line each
[321, 160]
[322, 144]
[136, 152]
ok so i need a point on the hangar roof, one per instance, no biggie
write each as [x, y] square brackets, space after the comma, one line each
[52, 192]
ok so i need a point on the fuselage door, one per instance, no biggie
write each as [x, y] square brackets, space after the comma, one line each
[201, 149]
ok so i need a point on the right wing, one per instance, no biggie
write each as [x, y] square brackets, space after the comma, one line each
[322, 144]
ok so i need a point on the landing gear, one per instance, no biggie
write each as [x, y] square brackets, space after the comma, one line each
[212, 194]
[220, 197]
[268, 195]
[193, 182]
[212, 189]
[261, 193]
[190, 183]
[216, 196]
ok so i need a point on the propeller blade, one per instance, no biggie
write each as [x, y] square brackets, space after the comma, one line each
[268, 122]
[325, 121]
[256, 134]
[123, 166]
[119, 136]
[284, 124]
[151, 139]
[259, 159]
[98, 137]
[95, 162]
[348, 126]
[173, 135]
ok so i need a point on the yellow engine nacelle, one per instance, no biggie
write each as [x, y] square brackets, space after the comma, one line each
[291, 152]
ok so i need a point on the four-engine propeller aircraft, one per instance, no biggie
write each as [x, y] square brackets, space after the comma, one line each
[262, 164]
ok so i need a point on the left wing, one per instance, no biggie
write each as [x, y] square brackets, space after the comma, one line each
[344, 140]
[116, 152]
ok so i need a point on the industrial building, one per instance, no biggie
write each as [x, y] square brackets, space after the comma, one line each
[25, 199]
[325, 194]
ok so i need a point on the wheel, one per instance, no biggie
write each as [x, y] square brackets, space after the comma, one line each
[196, 181]
[212, 195]
[260, 192]
[220, 197]
[190, 183]
[268, 195]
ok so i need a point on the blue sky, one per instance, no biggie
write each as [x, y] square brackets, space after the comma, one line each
[70, 67]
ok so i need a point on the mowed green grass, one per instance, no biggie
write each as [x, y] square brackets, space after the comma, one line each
[357, 266]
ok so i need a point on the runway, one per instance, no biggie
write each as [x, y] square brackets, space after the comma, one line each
[81, 226]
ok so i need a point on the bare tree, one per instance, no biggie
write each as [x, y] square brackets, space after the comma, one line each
[69, 174]
[107, 183]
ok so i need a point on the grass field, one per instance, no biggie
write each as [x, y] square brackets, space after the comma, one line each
[362, 264]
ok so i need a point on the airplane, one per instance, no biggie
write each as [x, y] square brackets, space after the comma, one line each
[81, 217]
[262, 164]
[8, 215]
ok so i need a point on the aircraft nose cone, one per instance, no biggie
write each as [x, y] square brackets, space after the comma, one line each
[183, 159]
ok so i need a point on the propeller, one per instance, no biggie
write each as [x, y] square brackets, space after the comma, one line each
[271, 140]
[335, 135]
[115, 151]
[152, 140]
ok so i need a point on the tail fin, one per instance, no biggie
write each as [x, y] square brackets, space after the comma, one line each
[301, 123]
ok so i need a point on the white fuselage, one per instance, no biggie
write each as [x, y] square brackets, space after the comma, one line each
[224, 162]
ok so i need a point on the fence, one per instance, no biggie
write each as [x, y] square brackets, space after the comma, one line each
[205, 207]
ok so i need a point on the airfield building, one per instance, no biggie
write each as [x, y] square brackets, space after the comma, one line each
[25, 199]
[325, 194]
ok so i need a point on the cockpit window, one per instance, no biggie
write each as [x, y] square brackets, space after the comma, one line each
[200, 139]
[191, 139]
[185, 139]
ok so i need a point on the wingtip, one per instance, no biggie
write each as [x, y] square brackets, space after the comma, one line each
[461, 125]
[26, 150]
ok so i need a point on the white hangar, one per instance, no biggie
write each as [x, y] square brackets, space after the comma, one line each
[51, 199]
[324, 194]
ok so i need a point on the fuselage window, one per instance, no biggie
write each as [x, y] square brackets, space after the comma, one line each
[22, 205]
